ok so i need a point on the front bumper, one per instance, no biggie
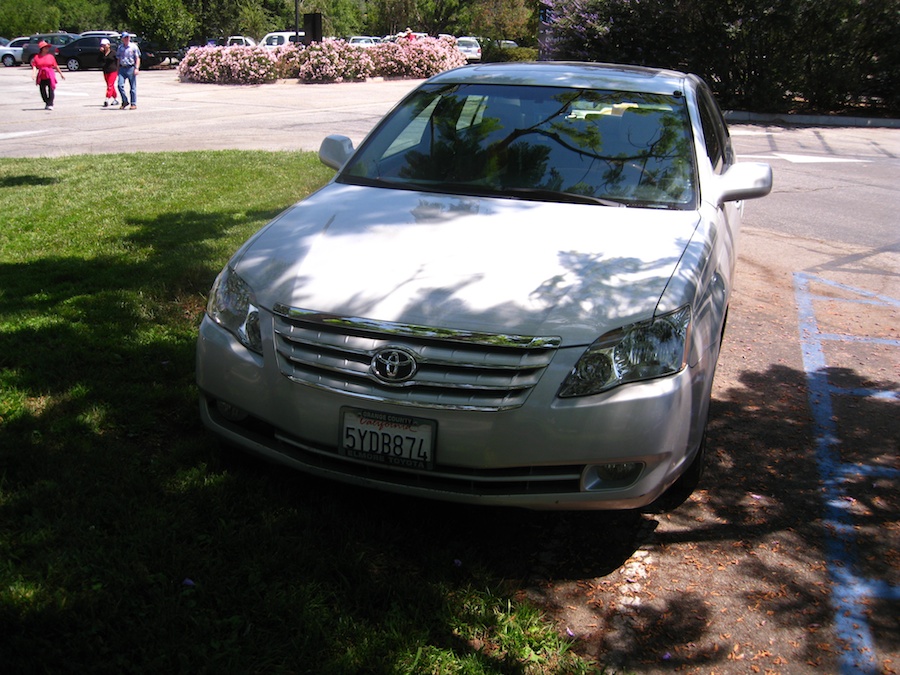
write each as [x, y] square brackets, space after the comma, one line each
[542, 455]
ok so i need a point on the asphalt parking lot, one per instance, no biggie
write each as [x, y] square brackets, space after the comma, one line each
[172, 115]
[786, 560]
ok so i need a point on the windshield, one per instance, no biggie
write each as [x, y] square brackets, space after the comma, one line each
[534, 142]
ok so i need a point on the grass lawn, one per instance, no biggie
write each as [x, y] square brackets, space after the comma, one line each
[129, 541]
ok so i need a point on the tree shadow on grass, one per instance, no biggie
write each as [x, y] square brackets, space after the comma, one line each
[26, 180]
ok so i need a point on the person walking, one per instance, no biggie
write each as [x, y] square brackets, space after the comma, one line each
[110, 65]
[44, 67]
[129, 56]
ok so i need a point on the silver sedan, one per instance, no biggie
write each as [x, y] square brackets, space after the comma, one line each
[513, 293]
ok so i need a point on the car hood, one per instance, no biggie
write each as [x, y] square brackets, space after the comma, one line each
[467, 263]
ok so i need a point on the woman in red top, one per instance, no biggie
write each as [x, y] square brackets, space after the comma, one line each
[45, 68]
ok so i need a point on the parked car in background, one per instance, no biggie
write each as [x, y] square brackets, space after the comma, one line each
[508, 44]
[4, 41]
[470, 47]
[56, 40]
[11, 54]
[108, 34]
[513, 294]
[240, 41]
[84, 53]
[151, 54]
[363, 41]
[281, 38]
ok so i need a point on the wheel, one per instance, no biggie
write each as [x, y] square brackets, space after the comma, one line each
[73, 64]
[9, 60]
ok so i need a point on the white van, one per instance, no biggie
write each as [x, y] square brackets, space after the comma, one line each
[281, 38]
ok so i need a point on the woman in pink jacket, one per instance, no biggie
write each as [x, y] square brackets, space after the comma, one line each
[45, 68]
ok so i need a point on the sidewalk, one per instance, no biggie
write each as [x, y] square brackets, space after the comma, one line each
[785, 119]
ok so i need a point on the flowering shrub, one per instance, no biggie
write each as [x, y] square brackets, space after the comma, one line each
[388, 59]
[328, 61]
[334, 61]
[228, 65]
[420, 58]
[287, 61]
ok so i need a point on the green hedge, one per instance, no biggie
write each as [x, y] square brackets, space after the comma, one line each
[839, 56]
[509, 54]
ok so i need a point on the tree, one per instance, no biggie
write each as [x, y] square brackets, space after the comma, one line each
[340, 18]
[164, 21]
[501, 19]
[387, 17]
[81, 15]
[761, 55]
[27, 17]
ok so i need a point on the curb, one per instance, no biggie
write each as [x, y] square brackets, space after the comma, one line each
[739, 117]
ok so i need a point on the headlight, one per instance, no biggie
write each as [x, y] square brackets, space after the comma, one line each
[233, 306]
[638, 352]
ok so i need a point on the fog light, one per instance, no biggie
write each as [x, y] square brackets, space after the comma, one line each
[230, 412]
[612, 475]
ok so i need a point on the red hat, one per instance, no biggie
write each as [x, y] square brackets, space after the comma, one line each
[43, 44]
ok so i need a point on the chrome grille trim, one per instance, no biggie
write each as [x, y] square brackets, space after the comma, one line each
[461, 370]
[383, 328]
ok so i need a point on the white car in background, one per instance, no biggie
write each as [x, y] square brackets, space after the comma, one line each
[513, 293]
[240, 41]
[470, 48]
[365, 41]
[281, 38]
[108, 34]
[11, 54]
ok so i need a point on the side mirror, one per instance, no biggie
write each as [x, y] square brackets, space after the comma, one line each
[335, 151]
[748, 180]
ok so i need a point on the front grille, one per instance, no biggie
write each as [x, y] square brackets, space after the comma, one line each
[454, 369]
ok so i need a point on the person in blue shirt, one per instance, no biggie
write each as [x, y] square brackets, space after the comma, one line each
[129, 56]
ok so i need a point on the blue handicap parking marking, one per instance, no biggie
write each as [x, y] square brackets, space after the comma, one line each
[852, 593]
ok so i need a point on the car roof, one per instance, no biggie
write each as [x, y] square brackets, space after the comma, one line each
[570, 74]
[85, 38]
[59, 32]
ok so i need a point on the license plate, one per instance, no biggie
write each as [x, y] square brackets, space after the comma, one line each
[394, 440]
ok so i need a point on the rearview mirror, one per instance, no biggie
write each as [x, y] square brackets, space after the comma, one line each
[747, 180]
[335, 151]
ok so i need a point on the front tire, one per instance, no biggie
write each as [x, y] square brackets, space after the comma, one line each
[73, 64]
[9, 60]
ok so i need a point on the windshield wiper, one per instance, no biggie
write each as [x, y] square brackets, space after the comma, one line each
[477, 190]
[557, 196]
[541, 194]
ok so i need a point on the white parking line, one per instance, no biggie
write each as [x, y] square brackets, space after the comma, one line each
[804, 159]
[20, 134]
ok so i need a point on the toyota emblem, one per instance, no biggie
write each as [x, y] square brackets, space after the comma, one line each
[394, 365]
